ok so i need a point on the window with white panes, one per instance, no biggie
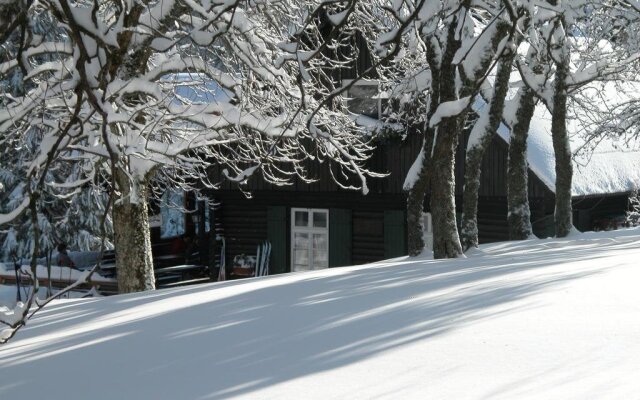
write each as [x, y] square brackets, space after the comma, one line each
[309, 239]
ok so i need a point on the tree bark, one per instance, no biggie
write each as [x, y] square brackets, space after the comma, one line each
[446, 243]
[444, 140]
[485, 127]
[415, 199]
[519, 213]
[132, 235]
[561, 147]
[418, 190]
[415, 202]
[133, 238]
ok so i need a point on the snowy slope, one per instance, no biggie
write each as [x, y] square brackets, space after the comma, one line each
[541, 319]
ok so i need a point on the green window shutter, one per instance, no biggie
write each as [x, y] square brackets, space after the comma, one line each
[395, 236]
[339, 237]
[277, 235]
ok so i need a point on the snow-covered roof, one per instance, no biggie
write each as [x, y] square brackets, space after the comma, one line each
[612, 167]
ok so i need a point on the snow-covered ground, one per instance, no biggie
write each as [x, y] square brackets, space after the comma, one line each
[541, 319]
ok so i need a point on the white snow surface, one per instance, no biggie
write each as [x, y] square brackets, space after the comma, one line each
[537, 319]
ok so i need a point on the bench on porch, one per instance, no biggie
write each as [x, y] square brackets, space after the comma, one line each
[181, 274]
[249, 266]
[169, 269]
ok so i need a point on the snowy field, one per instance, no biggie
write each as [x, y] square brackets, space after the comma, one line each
[541, 319]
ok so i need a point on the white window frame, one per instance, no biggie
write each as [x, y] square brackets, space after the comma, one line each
[310, 230]
[364, 82]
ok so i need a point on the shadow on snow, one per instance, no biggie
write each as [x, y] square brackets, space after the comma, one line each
[232, 338]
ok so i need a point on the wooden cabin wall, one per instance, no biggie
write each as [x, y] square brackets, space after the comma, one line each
[243, 226]
[368, 235]
[360, 65]
[594, 212]
[395, 159]
[243, 221]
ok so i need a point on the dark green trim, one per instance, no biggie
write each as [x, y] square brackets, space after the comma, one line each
[340, 237]
[395, 233]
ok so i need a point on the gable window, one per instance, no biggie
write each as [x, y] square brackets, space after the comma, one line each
[364, 98]
[309, 239]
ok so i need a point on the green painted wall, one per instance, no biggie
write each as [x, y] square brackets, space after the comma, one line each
[340, 237]
[395, 242]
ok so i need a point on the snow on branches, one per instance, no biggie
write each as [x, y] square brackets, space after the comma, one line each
[125, 92]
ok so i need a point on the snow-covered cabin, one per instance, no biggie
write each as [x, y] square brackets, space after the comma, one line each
[320, 225]
[603, 176]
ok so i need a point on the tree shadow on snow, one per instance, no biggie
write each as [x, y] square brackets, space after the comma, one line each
[232, 338]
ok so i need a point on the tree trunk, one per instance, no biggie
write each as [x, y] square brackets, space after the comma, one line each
[564, 170]
[132, 239]
[415, 228]
[446, 243]
[519, 213]
[479, 141]
[417, 190]
[132, 235]
[445, 77]
[561, 147]
[415, 198]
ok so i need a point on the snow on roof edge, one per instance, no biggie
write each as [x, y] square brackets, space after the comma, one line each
[596, 176]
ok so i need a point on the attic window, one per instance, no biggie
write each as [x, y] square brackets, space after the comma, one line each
[364, 98]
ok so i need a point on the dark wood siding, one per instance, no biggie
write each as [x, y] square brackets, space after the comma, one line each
[368, 236]
[493, 180]
[395, 159]
[244, 228]
[598, 212]
[277, 236]
[243, 221]
[492, 219]
[340, 237]
[395, 233]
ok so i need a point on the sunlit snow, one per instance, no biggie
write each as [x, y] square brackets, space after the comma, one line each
[538, 319]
